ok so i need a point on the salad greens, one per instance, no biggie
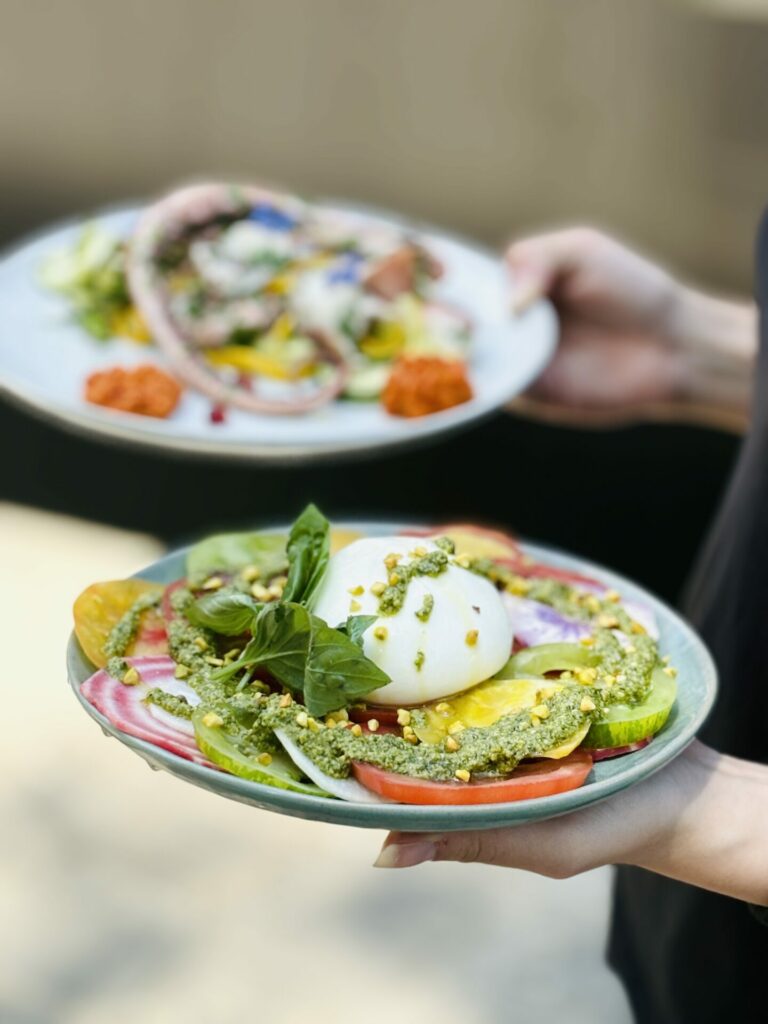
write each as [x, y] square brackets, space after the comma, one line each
[309, 546]
[230, 552]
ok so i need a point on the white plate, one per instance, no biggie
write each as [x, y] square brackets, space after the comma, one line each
[45, 357]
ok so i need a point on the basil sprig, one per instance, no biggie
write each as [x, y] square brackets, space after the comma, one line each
[309, 657]
[325, 664]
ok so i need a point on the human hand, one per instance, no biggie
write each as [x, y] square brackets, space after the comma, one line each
[703, 819]
[634, 340]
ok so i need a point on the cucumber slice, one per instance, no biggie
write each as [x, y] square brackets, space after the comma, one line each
[543, 658]
[624, 724]
[219, 748]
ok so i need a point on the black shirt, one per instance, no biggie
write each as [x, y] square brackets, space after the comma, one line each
[686, 955]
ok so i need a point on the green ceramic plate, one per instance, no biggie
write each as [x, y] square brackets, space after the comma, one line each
[697, 686]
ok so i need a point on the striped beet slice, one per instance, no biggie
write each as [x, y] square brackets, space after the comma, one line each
[125, 707]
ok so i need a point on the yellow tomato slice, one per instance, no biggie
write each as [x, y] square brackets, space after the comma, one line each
[342, 538]
[486, 703]
[129, 323]
[101, 606]
[478, 544]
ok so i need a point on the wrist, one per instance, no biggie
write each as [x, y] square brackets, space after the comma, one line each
[715, 341]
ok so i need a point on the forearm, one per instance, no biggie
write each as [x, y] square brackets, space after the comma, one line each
[717, 837]
[717, 343]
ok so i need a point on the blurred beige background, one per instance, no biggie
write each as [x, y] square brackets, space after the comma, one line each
[126, 896]
[487, 116]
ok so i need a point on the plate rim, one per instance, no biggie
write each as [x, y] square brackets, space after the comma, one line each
[411, 817]
[128, 434]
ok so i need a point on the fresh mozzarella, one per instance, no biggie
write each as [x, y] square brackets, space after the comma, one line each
[466, 638]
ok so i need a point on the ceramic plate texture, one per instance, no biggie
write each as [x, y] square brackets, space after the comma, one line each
[697, 686]
[45, 358]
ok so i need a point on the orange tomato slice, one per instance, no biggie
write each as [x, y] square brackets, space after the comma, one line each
[101, 606]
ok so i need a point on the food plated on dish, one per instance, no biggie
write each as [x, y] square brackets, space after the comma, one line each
[267, 304]
[417, 667]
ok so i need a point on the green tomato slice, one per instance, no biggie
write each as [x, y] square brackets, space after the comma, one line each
[543, 658]
[623, 724]
[219, 748]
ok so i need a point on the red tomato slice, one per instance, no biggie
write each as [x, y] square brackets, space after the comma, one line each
[606, 753]
[527, 781]
[365, 712]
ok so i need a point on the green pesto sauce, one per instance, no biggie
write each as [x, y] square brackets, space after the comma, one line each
[425, 611]
[173, 703]
[117, 667]
[497, 748]
[393, 598]
[123, 633]
[564, 598]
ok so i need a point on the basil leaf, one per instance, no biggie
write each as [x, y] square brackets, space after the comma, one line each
[337, 671]
[229, 552]
[356, 625]
[281, 642]
[308, 552]
[229, 612]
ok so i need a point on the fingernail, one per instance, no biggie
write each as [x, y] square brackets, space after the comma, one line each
[406, 855]
[524, 294]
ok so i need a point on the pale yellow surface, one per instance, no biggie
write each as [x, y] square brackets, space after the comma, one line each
[129, 897]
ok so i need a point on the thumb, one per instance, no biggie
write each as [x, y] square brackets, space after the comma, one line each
[538, 263]
[509, 847]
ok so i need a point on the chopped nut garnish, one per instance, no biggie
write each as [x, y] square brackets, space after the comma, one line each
[391, 561]
[275, 592]
[354, 606]
[403, 716]
[535, 720]
[285, 701]
[200, 643]
[587, 641]
[463, 775]
[637, 628]
[279, 581]
[612, 595]
[609, 680]
[587, 704]
[342, 715]
[212, 721]
[181, 671]
[260, 592]
[213, 583]
[519, 585]
[451, 745]
[464, 561]
[314, 725]
[216, 662]
[541, 711]
[394, 579]
[356, 591]
[373, 724]
[606, 621]
[418, 552]
[443, 707]
[264, 758]
[586, 675]
[455, 727]
[302, 719]
[131, 677]
[251, 573]
[411, 738]
[668, 670]
[381, 632]
[232, 654]
[356, 730]
[630, 649]
[377, 589]
[471, 638]
[407, 731]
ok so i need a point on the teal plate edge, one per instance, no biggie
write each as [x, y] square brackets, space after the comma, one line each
[697, 688]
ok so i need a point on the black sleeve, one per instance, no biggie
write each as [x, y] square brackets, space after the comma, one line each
[761, 913]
